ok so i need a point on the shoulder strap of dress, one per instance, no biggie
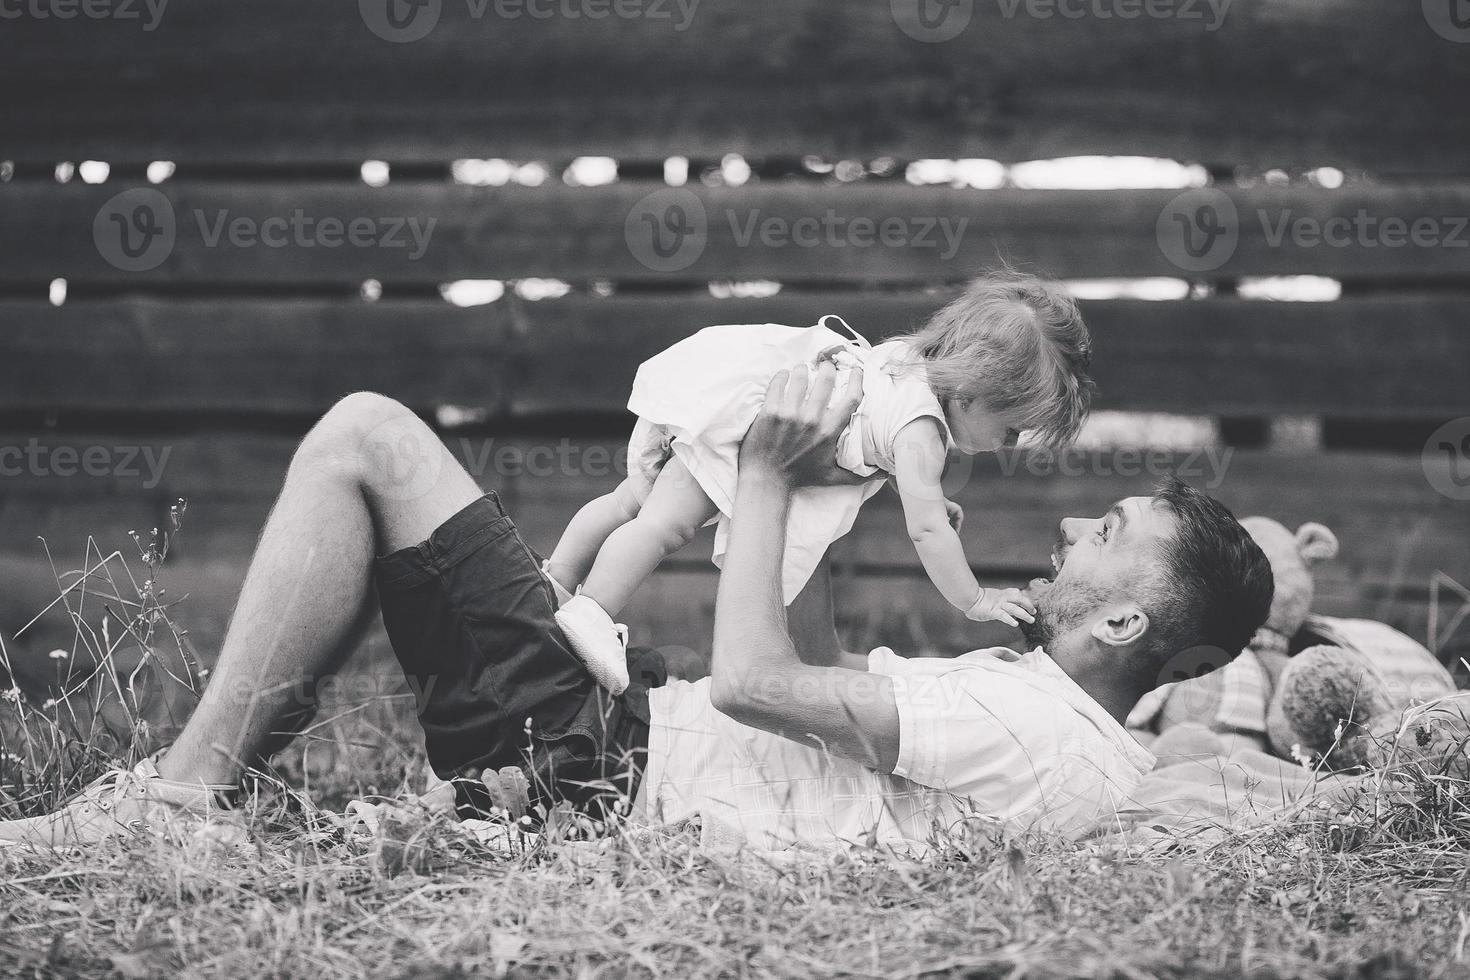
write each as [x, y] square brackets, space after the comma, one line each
[839, 326]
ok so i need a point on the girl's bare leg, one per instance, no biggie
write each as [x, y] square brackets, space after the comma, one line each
[675, 510]
[589, 529]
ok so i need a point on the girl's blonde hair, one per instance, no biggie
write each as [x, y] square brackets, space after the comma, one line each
[1018, 344]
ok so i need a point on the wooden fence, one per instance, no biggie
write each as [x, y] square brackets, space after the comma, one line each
[206, 320]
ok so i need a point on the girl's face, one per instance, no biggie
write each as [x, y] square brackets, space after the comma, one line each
[975, 428]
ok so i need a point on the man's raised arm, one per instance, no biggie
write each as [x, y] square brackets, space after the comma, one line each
[757, 677]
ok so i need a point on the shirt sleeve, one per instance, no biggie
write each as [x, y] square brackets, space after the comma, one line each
[987, 736]
[903, 400]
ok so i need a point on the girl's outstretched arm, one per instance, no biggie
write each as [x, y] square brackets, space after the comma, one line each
[919, 454]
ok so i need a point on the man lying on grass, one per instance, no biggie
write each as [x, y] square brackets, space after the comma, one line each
[791, 740]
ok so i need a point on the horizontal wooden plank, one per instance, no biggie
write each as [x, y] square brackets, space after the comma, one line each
[1372, 357]
[430, 232]
[1395, 528]
[1007, 537]
[1257, 82]
[248, 356]
[1401, 356]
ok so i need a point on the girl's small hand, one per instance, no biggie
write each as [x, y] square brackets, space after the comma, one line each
[831, 353]
[956, 515]
[1003, 605]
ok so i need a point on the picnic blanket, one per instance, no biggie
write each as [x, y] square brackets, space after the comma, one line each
[1207, 784]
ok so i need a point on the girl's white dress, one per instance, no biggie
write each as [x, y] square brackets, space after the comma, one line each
[698, 398]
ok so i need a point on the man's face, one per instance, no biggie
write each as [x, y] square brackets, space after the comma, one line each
[1099, 563]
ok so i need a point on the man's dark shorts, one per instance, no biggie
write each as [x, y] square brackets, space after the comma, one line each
[471, 620]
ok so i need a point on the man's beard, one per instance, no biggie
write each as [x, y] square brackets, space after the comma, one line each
[1061, 605]
[1060, 608]
[1039, 633]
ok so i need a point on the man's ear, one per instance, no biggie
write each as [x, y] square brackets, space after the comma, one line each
[1121, 626]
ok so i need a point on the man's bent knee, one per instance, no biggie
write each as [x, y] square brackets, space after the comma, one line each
[361, 433]
[357, 415]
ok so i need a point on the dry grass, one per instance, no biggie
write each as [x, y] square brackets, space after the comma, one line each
[1377, 888]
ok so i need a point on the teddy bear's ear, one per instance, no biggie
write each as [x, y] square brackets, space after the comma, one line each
[1316, 543]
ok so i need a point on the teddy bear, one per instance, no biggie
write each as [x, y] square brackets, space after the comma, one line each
[1321, 690]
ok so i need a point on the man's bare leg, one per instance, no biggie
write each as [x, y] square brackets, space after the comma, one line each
[369, 479]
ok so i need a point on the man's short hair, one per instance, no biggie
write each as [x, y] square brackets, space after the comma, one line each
[1214, 585]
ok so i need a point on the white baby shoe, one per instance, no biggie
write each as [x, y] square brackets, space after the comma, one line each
[594, 637]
